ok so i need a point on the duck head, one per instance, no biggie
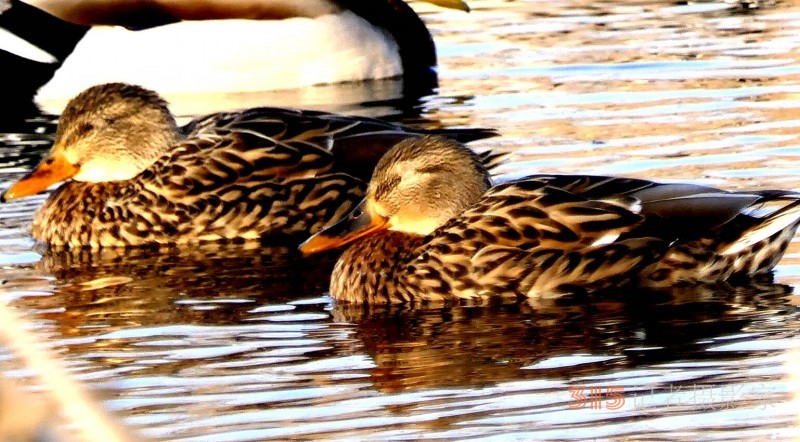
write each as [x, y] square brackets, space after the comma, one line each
[110, 132]
[416, 187]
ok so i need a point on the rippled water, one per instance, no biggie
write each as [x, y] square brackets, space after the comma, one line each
[233, 344]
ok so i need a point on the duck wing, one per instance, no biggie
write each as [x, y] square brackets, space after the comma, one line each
[530, 213]
[248, 175]
[751, 243]
[713, 234]
[355, 143]
[670, 210]
[526, 238]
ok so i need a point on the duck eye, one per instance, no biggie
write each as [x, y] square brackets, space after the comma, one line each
[85, 128]
[433, 169]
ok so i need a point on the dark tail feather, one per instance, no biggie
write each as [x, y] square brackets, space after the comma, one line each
[786, 218]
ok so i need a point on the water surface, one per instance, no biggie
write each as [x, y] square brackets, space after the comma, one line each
[230, 343]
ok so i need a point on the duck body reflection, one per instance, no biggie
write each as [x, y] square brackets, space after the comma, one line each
[230, 297]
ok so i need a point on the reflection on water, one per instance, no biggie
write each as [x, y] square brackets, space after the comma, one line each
[226, 340]
[480, 346]
[233, 343]
[203, 285]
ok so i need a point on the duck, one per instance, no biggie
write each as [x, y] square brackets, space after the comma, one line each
[433, 229]
[135, 178]
[216, 46]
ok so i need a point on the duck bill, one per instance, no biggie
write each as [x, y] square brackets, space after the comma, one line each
[53, 169]
[360, 222]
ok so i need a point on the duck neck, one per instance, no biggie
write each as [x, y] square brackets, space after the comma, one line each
[416, 46]
[367, 271]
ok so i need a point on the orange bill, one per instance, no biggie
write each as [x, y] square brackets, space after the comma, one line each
[360, 222]
[53, 169]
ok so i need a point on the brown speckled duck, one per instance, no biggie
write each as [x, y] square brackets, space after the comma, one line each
[136, 178]
[431, 229]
